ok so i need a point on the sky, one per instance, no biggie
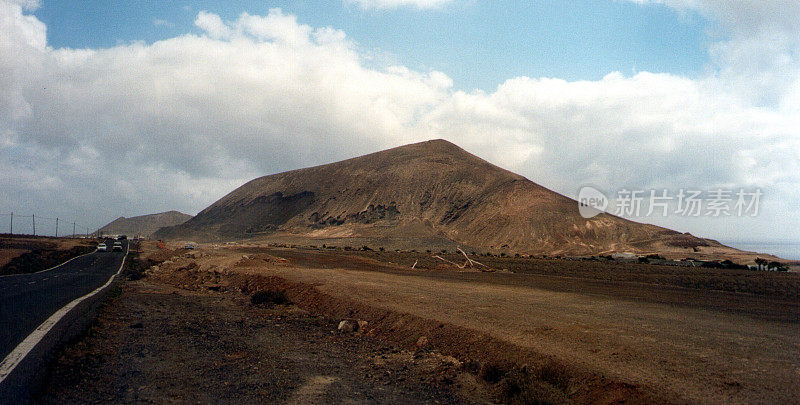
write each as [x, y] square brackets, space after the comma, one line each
[112, 108]
[478, 45]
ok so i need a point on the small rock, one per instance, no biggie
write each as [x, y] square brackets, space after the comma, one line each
[348, 326]
[422, 342]
[362, 326]
[451, 360]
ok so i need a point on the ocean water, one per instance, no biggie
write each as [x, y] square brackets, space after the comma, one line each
[785, 250]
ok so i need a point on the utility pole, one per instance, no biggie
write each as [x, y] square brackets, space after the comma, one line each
[33, 219]
[11, 226]
[73, 230]
[56, 227]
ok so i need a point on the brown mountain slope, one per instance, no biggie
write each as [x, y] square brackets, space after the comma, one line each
[427, 190]
[144, 225]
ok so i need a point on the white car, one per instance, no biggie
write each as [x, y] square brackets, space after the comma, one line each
[117, 247]
[102, 247]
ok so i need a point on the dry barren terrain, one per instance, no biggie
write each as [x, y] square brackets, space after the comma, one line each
[154, 343]
[553, 330]
[696, 344]
[25, 254]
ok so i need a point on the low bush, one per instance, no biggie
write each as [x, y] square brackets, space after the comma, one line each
[546, 384]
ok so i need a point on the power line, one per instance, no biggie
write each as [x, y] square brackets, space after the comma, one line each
[42, 222]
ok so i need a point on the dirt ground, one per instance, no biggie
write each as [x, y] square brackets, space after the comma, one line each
[25, 254]
[652, 337]
[548, 331]
[156, 343]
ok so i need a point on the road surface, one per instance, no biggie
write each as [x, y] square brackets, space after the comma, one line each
[27, 300]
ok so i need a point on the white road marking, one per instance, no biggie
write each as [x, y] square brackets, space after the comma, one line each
[15, 357]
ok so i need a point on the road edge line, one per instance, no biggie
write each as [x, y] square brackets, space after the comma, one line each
[13, 359]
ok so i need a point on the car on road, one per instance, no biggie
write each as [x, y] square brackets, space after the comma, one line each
[117, 246]
[102, 247]
[189, 246]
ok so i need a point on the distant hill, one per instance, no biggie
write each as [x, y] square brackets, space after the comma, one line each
[428, 191]
[144, 225]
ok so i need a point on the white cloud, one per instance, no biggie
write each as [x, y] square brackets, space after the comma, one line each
[212, 24]
[178, 123]
[385, 4]
[27, 5]
[254, 96]
[646, 131]
[742, 17]
[757, 52]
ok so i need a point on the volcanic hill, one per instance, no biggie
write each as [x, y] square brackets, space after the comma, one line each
[429, 191]
[144, 225]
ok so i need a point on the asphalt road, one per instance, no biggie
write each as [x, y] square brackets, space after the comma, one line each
[27, 300]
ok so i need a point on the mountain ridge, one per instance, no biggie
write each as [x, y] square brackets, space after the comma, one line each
[432, 189]
[144, 225]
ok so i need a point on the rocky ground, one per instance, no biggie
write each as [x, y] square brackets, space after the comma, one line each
[157, 343]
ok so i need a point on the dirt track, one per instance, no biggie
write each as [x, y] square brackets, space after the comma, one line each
[694, 353]
[646, 344]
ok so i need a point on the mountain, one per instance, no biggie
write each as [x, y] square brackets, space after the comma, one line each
[430, 191]
[144, 225]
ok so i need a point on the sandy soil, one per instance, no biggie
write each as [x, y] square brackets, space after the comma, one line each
[695, 353]
[156, 343]
[7, 254]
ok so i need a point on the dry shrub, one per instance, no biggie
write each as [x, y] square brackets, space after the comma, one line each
[549, 383]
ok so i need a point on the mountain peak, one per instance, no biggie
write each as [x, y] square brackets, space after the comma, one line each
[425, 191]
[431, 146]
